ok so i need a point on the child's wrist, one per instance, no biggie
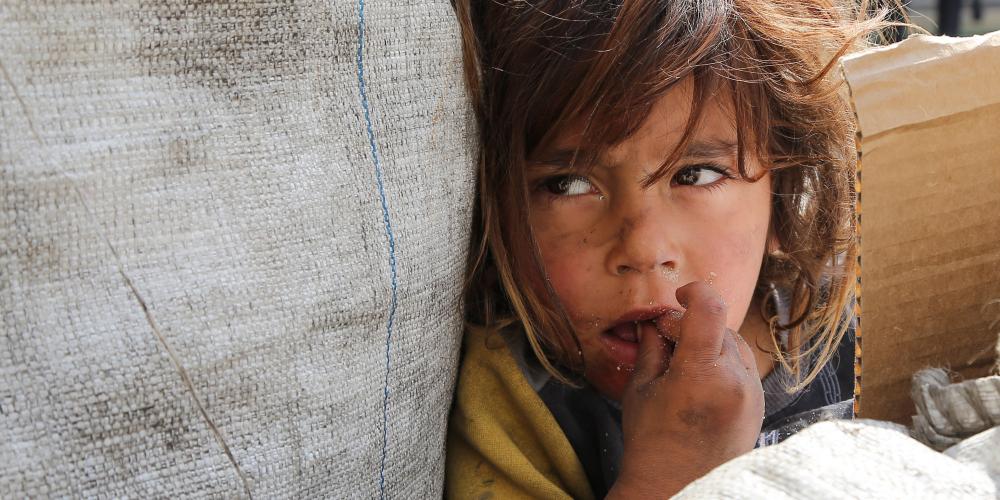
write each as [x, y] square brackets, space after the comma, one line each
[626, 487]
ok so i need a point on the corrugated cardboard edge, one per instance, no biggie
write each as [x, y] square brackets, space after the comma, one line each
[913, 62]
[857, 268]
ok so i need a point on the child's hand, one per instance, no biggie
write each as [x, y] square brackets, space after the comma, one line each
[707, 408]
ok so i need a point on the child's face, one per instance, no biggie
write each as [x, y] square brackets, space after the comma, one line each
[616, 252]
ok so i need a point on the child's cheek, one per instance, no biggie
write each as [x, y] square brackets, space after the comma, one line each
[735, 272]
[562, 244]
[569, 268]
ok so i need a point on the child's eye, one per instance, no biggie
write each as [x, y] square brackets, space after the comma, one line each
[700, 175]
[568, 185]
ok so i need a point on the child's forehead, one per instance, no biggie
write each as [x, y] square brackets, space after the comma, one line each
[659, 132]
[665, 112]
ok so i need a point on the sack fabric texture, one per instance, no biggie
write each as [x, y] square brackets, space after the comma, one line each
[232, 240]
[948, 413]
[857, 459]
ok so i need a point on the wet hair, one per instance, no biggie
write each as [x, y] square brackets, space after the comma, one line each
[535, 67]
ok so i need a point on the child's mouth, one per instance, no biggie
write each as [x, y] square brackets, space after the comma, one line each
[629, 332]
[622, 341]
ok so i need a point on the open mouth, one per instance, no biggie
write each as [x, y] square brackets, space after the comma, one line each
[622, 341]
[629, 332]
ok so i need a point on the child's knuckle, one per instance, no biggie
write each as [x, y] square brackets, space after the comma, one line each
[714, 307]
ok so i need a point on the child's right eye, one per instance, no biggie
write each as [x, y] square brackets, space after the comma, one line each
[568, 185]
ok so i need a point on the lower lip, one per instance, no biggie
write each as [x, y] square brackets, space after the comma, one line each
[623, 351]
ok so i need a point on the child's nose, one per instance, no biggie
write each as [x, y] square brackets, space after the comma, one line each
[645, 246]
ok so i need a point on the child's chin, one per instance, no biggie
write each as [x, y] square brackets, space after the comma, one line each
[609, 381]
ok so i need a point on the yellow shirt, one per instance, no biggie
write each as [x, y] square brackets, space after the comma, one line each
[502, 440]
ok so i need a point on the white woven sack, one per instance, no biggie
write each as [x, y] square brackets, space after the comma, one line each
[948, 412]
[199, 295]
[857, 459]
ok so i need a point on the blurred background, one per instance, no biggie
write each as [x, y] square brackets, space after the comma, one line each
[955, 17]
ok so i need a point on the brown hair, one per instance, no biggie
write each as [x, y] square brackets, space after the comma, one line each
[534, 67]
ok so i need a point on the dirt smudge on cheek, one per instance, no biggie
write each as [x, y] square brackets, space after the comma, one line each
[595, 321]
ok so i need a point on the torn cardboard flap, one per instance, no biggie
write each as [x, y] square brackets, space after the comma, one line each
[923, 78]
[928, 113]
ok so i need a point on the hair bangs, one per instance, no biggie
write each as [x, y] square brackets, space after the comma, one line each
[602, 87]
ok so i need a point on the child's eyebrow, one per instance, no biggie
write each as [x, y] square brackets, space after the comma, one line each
[710, 148]
[564, 158]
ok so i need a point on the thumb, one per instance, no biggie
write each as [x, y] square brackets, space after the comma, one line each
[651, 361]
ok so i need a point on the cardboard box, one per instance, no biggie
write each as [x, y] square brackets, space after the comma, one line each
[928, 111]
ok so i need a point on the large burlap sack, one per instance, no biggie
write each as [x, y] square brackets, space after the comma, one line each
[231, 246]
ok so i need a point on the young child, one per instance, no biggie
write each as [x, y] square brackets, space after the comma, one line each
[664, 270]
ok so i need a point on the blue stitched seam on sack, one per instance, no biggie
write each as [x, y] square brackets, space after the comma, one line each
[388, 232]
